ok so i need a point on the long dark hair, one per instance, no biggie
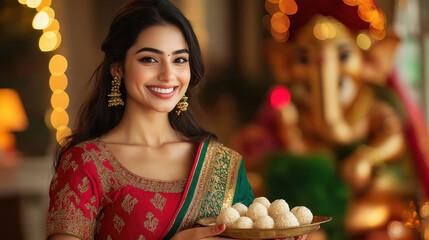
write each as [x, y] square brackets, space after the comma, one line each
[95, 117]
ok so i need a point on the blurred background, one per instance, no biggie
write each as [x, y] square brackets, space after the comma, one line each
[50, 48]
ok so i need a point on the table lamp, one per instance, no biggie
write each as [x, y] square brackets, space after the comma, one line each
[12, 118]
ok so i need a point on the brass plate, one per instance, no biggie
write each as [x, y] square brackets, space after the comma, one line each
[268, 233]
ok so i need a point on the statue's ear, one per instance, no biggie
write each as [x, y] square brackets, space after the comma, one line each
[378, 60]
[279, 60]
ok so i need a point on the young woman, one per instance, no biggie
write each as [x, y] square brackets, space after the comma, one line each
[139, 166]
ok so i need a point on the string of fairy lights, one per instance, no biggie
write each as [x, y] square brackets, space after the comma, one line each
[44, 19]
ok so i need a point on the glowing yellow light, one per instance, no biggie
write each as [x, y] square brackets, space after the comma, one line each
[288, 7]
[49, 41]
[57, 65]
[41, 20]
[23, 2]
[54, 26]
[280, 22]
[395, 229]
[320, 31]
[424, 210]
[33, 3]
[366, 2]
[350, 2]
[379, 21]
[59, 118]
[60, 99]
[44, 3]
[58, 82]
[363, 41]
[62, 132]
[271, 7]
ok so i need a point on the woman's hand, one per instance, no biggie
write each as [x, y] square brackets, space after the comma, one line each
[200, 233]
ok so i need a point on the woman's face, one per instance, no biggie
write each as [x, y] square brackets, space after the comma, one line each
[156, 70]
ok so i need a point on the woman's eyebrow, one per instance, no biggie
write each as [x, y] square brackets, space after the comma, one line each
[154, 50]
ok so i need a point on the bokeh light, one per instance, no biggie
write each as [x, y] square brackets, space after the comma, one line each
[350, 2]
[363, 41]
[60, 99]
[288, 7]
[44, 3]
[33, 3]
[41, 20]
[54, 26]
[59, 117]
[280, 22]
[62, 132]
[280, 97]
[23, 2]
[57, 65]
[49, 41]
[58, 82]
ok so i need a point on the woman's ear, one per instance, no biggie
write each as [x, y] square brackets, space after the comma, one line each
[116, 70]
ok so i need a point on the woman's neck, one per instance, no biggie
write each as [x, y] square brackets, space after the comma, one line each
[142, 126]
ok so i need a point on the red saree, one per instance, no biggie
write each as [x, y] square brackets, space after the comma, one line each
[92, 196]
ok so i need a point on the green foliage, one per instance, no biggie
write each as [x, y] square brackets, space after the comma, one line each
[311, 181]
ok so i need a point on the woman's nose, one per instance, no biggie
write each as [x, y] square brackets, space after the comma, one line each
[166, 73]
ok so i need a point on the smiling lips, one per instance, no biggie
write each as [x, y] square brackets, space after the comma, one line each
[163, 92]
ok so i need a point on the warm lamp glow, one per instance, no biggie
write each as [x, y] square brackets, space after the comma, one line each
[54, 26]
[12, 118]
[60, 99]
[59, 118]
[44, 3]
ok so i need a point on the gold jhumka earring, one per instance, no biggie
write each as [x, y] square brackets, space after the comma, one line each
[182, 105]
[115, 95]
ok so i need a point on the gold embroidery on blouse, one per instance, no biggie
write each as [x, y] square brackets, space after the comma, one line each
[93, 199]
[67, 164]
[54, 182]
[128, 203]
[64, 194]
[141, 238]
[118, 223]
[151, 223]
[84, 186]
[125, 177]
[66, 211]
[91, 208]
[158, 201]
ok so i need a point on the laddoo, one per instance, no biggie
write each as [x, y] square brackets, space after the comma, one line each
[227, 216]
[243, 222]
[264, 222]
[256, 210]
[278, 207]
[303, 214]
[286, 220]
[241, 208]
[263, 200]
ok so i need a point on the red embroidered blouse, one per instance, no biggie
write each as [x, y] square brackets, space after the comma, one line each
[94, 196]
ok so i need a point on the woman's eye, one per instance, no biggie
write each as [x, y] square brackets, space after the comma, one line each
[148, 60]
[181, 60]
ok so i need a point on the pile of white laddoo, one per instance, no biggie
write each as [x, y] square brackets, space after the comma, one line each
[262, 214]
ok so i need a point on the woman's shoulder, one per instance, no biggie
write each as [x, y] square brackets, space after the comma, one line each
[221, 150]
[86, 151]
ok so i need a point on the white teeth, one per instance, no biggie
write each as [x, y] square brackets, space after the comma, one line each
[162, 90]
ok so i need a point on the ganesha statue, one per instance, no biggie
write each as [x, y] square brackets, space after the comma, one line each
[331, 134]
